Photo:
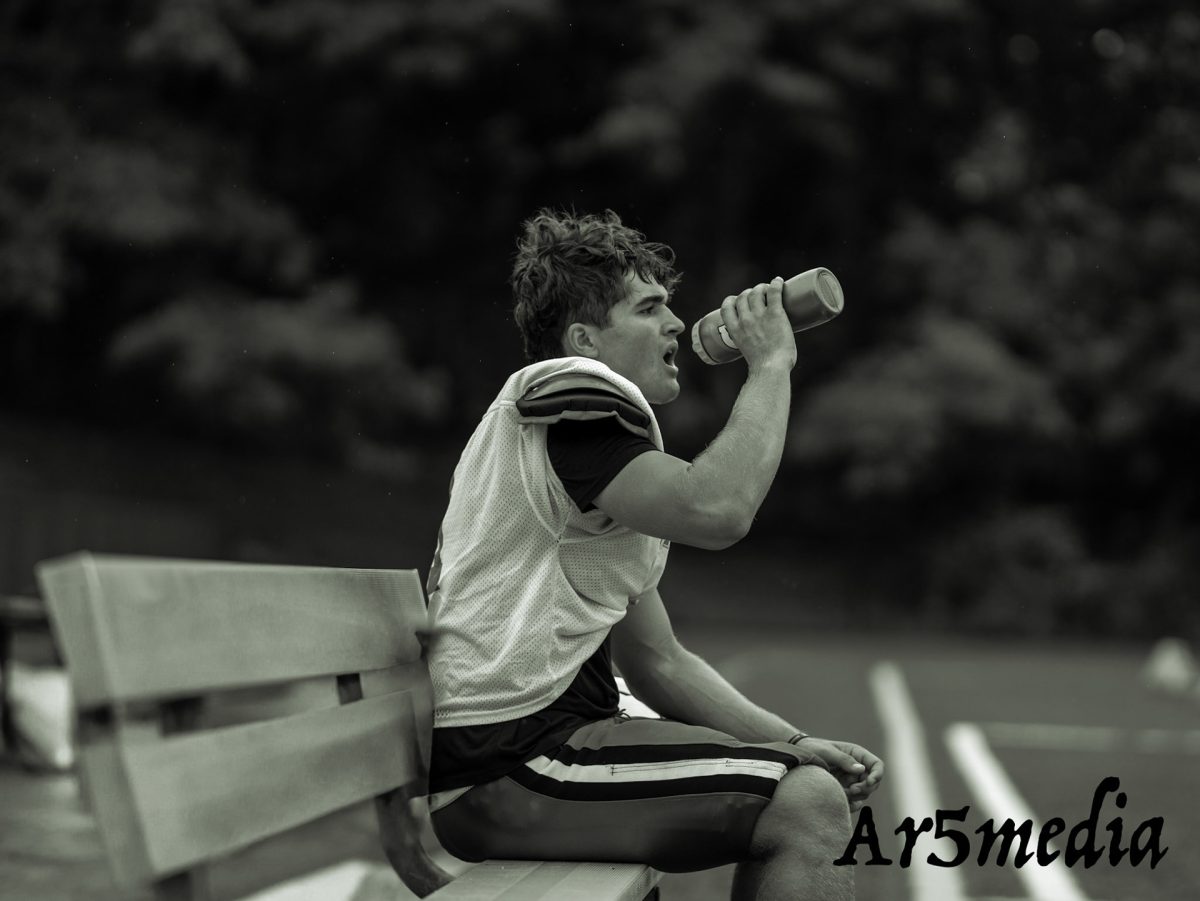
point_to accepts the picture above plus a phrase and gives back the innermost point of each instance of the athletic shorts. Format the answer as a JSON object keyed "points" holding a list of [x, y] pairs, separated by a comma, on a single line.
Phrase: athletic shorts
{"points": [[652, 791]]}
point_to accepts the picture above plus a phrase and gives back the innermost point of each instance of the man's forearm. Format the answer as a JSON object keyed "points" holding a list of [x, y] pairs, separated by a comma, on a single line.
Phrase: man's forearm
{"points": [[740, 464], [686, 688]]}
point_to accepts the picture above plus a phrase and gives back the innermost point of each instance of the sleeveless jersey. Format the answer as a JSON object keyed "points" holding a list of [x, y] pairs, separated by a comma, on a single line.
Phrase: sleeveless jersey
{"points": [[524, 586]]}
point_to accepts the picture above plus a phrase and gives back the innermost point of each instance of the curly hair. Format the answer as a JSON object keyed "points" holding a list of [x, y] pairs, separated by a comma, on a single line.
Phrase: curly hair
{"points": [[571, 268]]}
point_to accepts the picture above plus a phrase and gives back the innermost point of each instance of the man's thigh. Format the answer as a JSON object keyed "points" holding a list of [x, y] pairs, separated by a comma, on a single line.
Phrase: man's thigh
{"points": [[652, 791]]}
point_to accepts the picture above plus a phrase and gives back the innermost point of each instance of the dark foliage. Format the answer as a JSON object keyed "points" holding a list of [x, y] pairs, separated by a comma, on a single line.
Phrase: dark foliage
{"points": [[288, 226]]}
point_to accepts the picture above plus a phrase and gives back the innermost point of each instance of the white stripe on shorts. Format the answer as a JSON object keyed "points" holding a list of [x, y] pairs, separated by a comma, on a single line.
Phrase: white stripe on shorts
{"points": [[653, 772]]}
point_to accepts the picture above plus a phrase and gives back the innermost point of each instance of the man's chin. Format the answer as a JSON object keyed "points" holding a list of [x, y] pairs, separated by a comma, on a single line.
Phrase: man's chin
{"points": [[664, 394]]}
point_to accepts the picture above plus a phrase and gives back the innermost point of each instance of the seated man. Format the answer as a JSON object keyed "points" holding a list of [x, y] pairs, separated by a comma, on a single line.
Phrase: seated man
{"points": [[562, 510]]}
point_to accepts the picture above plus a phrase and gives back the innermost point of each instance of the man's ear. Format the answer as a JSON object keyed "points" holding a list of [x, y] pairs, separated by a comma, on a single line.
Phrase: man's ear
{"points": [[579, 340]]}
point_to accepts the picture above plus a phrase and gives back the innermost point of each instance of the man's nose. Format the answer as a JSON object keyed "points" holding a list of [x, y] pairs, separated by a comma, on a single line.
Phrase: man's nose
{"points": [[674, 324]]}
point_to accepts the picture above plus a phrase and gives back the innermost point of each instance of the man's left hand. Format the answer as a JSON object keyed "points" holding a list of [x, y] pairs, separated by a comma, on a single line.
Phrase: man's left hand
{"points": [[857, 769]]}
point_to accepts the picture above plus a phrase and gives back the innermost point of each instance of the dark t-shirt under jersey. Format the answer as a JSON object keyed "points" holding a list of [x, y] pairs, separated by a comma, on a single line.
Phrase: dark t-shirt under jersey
{"points": [[586, 455]]}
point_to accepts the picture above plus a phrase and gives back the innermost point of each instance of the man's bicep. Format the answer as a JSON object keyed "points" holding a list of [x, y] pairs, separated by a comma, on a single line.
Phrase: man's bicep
{"points": [[651, 494], [587, 454]]}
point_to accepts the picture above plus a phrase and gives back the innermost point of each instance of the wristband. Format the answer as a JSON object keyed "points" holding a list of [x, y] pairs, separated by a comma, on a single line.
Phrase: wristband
{"points": [[797, 738]]}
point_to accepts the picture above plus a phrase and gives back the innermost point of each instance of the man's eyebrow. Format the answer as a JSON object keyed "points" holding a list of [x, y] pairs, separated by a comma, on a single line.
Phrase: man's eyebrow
{"points": [[656, 297]]}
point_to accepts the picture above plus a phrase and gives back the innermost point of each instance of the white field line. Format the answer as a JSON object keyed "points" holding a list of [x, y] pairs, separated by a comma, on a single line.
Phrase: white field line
{"points": [[1000, 800], [911, 777], [1053, 737]]}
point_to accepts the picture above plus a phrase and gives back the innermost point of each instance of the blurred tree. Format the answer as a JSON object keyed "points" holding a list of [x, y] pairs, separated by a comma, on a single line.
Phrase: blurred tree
{"points": [[1023, 571], [314, 375], [290, 224], [140, 237], [940, 411], [1065, 274]]}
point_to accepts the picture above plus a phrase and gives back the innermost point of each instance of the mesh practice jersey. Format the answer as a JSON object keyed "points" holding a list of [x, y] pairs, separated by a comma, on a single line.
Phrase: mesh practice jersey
{"points": [[524, 587]]}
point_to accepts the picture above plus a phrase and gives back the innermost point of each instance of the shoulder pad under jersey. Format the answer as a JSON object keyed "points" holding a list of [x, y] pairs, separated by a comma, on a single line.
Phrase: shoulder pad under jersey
{"points": [[577, 396]]}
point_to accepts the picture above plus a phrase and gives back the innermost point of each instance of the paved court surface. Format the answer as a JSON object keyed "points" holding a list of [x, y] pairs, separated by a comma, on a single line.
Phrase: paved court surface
{"points": [[1008, 730], [1027, 731]]}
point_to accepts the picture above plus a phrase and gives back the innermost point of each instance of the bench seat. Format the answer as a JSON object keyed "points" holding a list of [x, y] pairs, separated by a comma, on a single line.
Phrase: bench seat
{"points": [[551, 881]]}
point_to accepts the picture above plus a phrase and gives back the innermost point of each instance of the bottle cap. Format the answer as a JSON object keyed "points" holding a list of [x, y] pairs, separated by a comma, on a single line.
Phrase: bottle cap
{"points": [[829, 290]]}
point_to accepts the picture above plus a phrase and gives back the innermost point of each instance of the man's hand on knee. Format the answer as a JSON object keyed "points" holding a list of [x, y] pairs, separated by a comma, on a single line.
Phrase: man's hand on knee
{"points": [[857, 769]]}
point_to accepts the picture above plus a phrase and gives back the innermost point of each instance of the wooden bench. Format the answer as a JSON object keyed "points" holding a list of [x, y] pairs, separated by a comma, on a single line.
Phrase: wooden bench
{"points": [[156, 648]]}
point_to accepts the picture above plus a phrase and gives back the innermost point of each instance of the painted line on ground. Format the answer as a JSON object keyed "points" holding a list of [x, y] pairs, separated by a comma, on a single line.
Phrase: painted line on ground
{"points": [[1000, 800], [1055, 737], [911, 777]]}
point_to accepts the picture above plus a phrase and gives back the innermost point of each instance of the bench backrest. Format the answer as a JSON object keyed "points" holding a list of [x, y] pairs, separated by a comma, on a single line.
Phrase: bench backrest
{"points": [[153, 645]]}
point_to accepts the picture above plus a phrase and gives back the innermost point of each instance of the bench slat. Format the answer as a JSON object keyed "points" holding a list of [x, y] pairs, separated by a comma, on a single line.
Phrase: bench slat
{"points": [[520, 880], [200, 795], [136, 628]]}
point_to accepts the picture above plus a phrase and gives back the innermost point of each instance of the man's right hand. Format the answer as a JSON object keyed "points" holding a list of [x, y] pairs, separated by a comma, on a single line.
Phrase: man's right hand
{"points": [[758, 324]]}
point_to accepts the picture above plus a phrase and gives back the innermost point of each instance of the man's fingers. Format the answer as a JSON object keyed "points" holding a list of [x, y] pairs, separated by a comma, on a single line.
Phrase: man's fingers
{"points": [[873, 765], [745, 301], [753, 298], [729, 311], [847, 763], [874, 768], [857, 769], [775, 292]]}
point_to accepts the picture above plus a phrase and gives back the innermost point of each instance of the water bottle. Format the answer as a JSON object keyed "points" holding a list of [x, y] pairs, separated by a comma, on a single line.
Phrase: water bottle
{"points": [[809, 299]]}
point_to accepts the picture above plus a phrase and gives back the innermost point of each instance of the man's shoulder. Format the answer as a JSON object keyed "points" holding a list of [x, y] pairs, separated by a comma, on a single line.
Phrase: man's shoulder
{"points": [[576, 388], [546, 376]]}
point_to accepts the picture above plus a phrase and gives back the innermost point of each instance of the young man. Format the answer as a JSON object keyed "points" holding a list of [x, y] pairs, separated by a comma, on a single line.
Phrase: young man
{"points": [[562, 510]]}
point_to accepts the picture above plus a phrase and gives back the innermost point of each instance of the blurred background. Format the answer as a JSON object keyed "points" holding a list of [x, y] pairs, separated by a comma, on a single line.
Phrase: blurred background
{"points": [[253, 263], [253, 299]]}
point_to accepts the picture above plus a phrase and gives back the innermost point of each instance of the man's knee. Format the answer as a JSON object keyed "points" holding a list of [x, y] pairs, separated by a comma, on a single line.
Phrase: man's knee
{"points": [[809, 810]]}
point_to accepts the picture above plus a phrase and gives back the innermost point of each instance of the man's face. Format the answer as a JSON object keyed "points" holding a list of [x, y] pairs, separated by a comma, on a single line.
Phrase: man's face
{"points": [[639, 341]]}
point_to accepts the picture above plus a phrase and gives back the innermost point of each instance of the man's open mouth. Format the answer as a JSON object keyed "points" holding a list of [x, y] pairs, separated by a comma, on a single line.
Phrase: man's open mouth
{"points": [[669, 356]]}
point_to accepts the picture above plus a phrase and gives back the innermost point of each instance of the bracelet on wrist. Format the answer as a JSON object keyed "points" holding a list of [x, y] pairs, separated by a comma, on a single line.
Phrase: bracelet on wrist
{"points": [[797, 738]]}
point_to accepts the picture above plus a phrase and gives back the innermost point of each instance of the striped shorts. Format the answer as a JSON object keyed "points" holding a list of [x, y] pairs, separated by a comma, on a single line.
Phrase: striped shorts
{"points": [[652, 791]]}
